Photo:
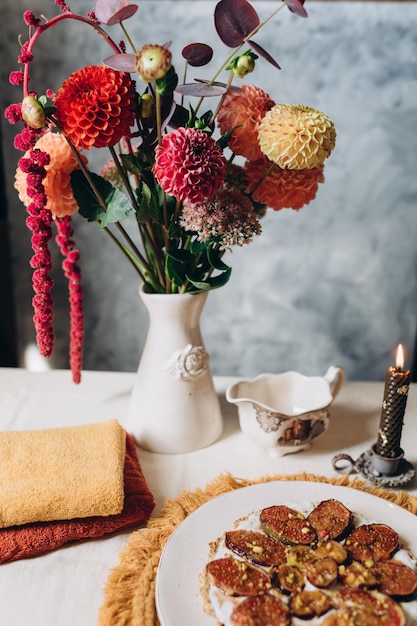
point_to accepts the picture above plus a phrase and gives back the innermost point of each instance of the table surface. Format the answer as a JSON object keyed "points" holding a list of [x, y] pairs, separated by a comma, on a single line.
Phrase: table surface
{"points": [[65, 587]]}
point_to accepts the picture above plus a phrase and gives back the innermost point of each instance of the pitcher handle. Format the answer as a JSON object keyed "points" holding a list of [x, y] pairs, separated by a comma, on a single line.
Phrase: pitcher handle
{"points": [[335, 376]]}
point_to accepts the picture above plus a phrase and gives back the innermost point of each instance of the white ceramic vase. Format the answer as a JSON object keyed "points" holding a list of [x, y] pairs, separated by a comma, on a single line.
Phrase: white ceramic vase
{"points": [[174, 407]]}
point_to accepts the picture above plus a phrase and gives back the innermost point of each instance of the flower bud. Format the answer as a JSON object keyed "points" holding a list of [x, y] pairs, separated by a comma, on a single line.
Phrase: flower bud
{"points": [[146, 106], [152, 62], [33, 113], [245, 65]]}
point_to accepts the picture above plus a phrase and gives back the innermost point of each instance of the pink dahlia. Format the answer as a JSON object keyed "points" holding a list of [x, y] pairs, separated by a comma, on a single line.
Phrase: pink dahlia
{"points": [[189, 165], [244, 111], [282, 189], [228, 217], [95, 107]]}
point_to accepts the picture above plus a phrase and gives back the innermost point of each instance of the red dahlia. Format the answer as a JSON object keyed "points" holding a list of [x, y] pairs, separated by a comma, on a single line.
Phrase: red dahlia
{"points": [[95, 107]]}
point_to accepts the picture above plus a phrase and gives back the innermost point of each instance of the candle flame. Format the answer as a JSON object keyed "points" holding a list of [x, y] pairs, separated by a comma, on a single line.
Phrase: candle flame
{"points": [[400, 357]]}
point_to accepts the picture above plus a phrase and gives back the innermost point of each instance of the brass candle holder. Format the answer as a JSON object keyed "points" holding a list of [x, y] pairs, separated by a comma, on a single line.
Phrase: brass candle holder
{"points": [[384, 463]]}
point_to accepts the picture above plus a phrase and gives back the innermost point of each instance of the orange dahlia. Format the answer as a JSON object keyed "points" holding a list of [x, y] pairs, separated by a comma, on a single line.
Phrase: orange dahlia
{"points": [[95, 107], [295, 136], [57, 182], [244, 109], [281, 188]]}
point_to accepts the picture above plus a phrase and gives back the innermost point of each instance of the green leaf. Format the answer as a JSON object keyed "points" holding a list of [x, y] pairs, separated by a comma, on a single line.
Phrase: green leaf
{"points": [[214, 258], [131, 163], [87, 201], [166, 85], [197, 246], [144, 203], [211, 283], [223, 142], [178, 264], [118, 206], [175, 231], [181, 256]]}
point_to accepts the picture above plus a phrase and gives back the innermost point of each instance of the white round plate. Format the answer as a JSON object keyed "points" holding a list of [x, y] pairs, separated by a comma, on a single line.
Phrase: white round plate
{"points": [[177, 596]]}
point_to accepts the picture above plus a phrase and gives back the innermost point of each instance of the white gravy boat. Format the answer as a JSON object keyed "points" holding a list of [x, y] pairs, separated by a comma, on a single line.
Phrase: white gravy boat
{"points": [[284, 412]]}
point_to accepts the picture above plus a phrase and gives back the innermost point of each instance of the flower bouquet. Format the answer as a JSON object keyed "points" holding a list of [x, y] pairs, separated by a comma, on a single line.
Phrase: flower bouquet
{"points": [[184, 183]]}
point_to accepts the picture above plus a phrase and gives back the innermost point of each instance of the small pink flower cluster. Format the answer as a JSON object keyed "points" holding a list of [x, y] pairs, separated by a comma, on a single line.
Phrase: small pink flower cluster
{"points": [[227, 217]]}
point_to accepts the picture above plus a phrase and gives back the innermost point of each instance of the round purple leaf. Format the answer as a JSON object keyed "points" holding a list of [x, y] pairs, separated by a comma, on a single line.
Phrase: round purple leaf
{"points": [[197, 54], [234, 20]]}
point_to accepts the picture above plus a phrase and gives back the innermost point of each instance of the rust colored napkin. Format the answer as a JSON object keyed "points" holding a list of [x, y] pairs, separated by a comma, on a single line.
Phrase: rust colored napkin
{"points": [[19, 542]]}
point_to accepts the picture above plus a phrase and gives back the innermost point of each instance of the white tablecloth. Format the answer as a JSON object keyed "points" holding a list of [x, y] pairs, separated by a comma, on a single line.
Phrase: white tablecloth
{"points": [[65, 587]]}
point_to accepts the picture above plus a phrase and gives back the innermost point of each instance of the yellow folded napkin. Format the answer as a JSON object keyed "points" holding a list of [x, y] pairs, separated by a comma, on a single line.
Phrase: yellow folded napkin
{"points": [[61, 473]]}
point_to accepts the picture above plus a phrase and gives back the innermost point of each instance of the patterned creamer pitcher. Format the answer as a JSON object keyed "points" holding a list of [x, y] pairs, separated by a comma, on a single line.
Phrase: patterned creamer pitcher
{"points": [[284, 412]]}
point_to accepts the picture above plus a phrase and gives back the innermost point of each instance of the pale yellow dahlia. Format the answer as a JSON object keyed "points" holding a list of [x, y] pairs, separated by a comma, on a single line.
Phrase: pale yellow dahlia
{"points": [[296, 137], [57, 182]]}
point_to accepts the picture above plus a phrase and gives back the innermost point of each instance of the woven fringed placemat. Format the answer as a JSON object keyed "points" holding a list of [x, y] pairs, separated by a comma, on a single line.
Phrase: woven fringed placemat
{"points": [[129, 595]]}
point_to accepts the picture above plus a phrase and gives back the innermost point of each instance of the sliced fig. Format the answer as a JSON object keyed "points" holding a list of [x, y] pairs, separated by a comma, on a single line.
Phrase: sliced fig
{"points": [[300, 556], [372, 542], [237, 578], [340, 618], [357, 575], [332, 549], [322, 572], [372, 608], [256, 547], [395, 578], [287, 525], [261, 611], [288, 578], [330, 519], [309, 604]]}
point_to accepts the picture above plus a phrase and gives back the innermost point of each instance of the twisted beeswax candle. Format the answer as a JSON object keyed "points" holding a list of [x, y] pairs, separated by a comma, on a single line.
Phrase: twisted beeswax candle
{"points": [[393, 408]]}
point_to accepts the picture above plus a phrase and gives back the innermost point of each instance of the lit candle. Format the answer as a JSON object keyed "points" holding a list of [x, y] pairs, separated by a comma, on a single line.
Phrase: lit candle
{"points": [[393, 408]]}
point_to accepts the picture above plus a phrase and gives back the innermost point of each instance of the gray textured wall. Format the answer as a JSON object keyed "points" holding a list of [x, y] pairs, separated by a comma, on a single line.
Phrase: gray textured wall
{"points": [[334, 283]]}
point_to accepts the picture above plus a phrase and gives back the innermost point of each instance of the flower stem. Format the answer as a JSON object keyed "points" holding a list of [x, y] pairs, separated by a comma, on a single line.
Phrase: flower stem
{"points": [[50, 24]]}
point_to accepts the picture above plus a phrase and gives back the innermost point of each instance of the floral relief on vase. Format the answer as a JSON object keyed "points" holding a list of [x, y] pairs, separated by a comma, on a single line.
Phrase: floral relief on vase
{"points": [[188, 364]]}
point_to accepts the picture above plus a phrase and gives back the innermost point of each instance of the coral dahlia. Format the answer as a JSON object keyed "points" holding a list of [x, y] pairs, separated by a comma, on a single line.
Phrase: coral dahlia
{"points": [[295, 136], [281, 188], [95, 107], [244, 110], [57, 182], [189, 165]]}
